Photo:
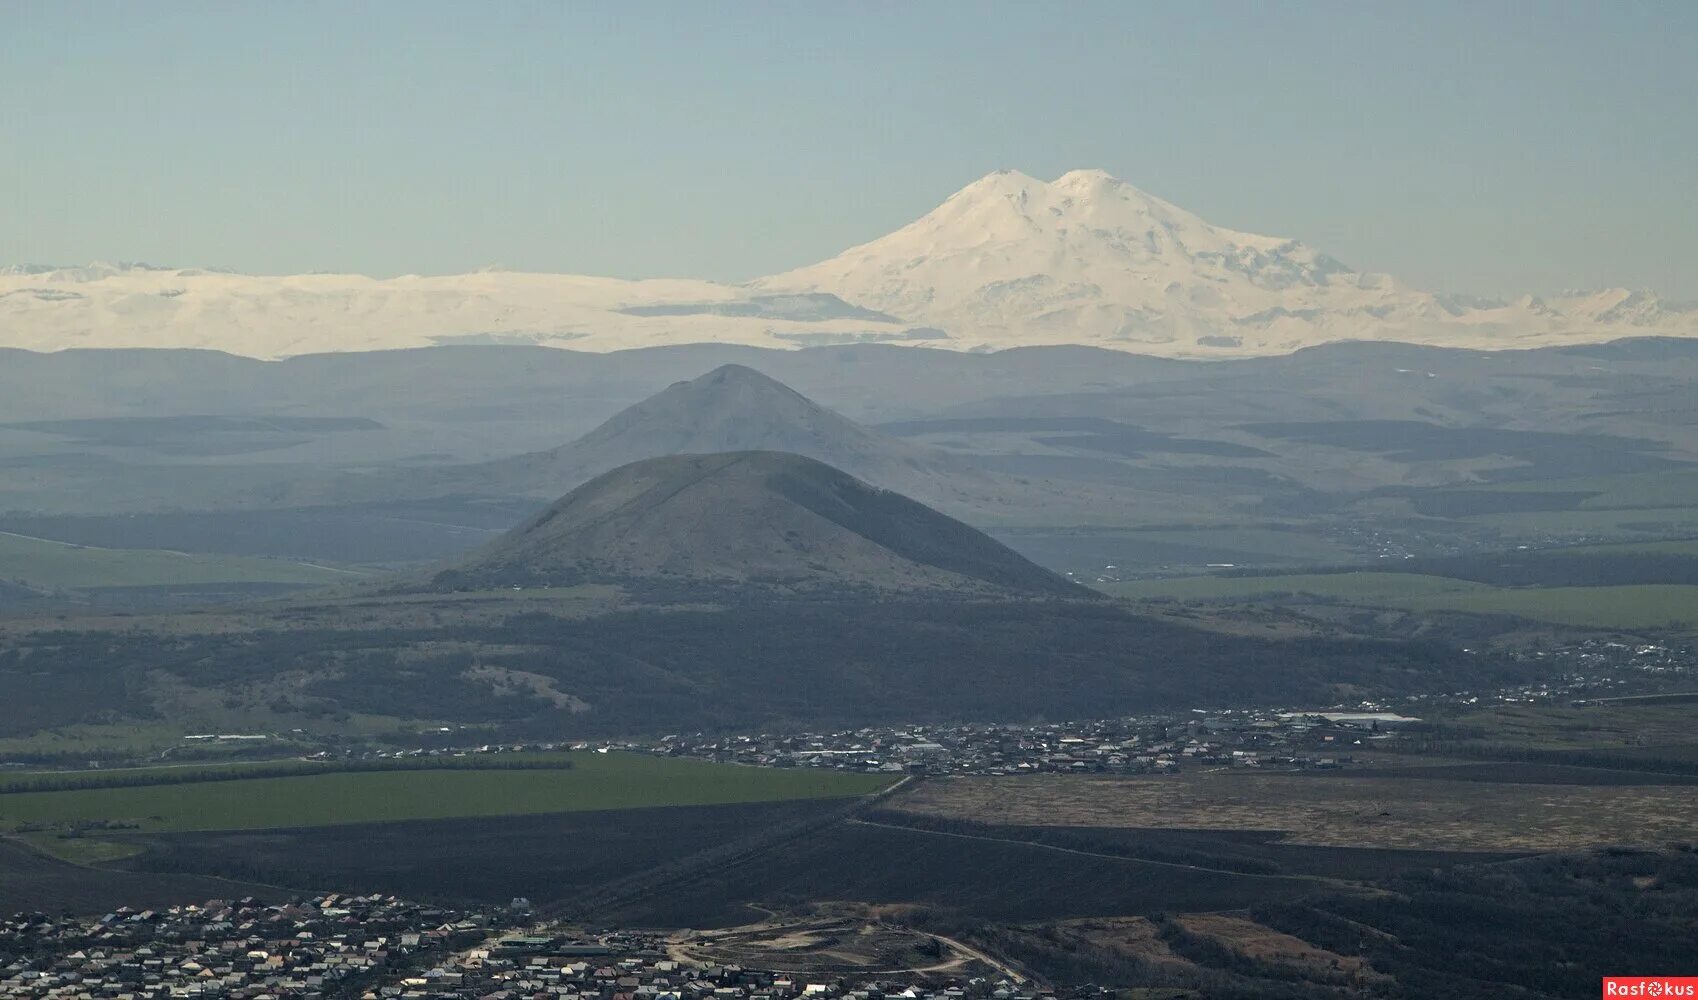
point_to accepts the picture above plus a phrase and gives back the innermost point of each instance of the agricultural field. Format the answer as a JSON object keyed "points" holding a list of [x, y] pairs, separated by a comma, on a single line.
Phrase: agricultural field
{"points": [[988, 879], [1634, 606], [17, 781], [470, 860], [1333, 810], [1665, 489], [1681, 547], [1085, 551], [1628, 606], [1626, 507], [44, 564], [32, 881], [593, 782], [1360, 588], [881, 859], [1653, 725], [1588, 523]]}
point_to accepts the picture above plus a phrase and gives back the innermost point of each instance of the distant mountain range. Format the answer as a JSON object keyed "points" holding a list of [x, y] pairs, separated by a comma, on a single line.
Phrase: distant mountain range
{"points": [[1008, 261]]}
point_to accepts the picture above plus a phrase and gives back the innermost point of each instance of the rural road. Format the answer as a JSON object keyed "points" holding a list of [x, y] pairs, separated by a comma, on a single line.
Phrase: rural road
{"points": [[968, 951]]}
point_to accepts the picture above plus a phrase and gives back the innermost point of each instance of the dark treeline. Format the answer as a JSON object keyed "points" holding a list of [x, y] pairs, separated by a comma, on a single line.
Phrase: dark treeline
{"points": [[85, 780]]}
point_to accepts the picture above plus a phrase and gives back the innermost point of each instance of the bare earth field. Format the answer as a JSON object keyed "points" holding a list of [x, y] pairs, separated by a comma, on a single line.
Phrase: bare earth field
{"points": [[1330, 810], [1257, 943], [33, 881]]}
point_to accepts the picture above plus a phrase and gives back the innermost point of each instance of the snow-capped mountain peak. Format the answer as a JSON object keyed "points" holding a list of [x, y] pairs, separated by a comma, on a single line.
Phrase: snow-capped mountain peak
{"points": [[1007, 261], [1086, 258]]}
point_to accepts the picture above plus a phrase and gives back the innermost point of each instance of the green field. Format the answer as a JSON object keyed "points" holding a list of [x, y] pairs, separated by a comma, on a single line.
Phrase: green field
{"points": [[1637, 489], [1630, 506], [287, 767], [105, 740], [1362, 588], [1636, 606], [38, 562], [1625, 522], [1248, 544], [595, 781], [1675, 547]]}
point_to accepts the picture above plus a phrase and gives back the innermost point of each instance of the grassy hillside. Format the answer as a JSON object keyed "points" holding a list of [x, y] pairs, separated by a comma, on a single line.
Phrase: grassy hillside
{"points": [[58, 565]]}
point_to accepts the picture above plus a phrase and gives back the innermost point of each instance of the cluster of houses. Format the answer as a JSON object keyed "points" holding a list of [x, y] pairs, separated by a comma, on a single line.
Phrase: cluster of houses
{"points": [[1579, 672], [1597, 668], [1146, 745], [1162, 744], [383, 948], [240, 949]]}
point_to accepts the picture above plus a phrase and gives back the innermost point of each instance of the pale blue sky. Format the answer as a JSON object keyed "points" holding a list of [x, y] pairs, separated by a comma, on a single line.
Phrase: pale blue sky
{"points": [[1485, 147]]}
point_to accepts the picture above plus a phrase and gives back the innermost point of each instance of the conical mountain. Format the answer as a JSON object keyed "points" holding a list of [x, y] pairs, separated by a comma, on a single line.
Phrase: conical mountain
{"points": [[732, 408], [761, 519]]}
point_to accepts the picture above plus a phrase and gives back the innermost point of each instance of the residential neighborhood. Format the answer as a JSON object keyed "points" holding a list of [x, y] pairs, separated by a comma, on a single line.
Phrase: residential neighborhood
{"points": [[383, 948]]}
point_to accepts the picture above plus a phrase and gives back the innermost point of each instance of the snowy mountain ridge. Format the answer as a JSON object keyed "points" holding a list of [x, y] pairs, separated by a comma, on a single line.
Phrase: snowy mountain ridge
{"points": [[1008, 261]]}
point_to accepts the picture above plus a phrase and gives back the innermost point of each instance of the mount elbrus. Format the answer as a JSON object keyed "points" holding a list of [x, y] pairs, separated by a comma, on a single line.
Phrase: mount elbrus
{"points": [[1008, 261]]}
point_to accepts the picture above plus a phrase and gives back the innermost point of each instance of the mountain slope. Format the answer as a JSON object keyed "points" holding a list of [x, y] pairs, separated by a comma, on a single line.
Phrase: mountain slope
{"points": [[749, 518]]}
